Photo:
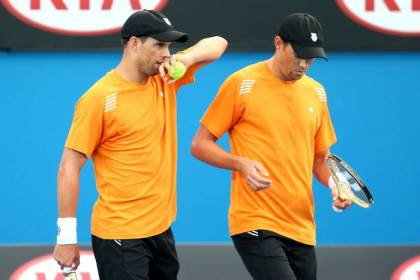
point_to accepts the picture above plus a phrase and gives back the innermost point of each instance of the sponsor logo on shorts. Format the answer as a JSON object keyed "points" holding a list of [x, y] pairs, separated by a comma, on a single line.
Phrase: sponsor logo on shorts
{"points": [[253, 233]]}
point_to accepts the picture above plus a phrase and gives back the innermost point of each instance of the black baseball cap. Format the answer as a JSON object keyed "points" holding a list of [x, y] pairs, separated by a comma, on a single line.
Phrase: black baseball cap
{"points": [[153, 24], [304, 33]]}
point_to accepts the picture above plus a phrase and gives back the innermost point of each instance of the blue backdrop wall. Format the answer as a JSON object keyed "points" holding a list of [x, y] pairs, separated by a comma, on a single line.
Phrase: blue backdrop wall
{"points": [[374, 102]]}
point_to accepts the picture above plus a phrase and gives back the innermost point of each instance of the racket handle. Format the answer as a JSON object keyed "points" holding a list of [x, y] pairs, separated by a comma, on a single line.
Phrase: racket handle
{"points": [[71, 276], [336, 209]]}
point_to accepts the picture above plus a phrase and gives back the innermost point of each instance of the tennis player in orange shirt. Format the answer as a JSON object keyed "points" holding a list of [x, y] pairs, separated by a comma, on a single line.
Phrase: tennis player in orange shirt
{"points": [[126, 122], [280, 134]]}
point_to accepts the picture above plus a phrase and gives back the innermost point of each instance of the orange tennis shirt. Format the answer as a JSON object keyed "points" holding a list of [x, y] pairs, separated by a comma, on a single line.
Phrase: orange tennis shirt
{"points": [[129, 129], [281, 125]]}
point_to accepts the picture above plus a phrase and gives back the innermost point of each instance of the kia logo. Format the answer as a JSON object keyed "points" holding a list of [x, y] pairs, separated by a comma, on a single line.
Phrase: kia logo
{"points": [[393, 17], [408, 270], [46, 268], [78, 17]]}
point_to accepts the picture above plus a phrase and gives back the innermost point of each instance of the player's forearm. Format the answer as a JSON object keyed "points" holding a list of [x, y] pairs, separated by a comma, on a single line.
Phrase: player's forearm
{"points": [[320, 168], [210, 152], [206, 50], [67, 192], [71, 165]]}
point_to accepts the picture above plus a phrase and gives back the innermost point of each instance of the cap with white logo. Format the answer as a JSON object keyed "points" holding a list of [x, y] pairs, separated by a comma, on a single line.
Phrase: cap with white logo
{"points": [[153, 24], [304, 33]]}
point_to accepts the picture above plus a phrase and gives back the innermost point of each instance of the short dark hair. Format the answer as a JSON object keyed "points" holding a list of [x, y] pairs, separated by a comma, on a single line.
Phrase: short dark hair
{"points": [[285, 42], [124, 41]]}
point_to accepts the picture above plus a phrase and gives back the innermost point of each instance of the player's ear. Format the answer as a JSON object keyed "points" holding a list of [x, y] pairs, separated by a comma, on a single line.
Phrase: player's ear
{"points": [[278, 42], [135, 42]]}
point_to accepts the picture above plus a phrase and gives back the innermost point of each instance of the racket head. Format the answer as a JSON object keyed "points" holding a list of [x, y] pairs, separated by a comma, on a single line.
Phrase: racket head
{"points": [[349, 185]]}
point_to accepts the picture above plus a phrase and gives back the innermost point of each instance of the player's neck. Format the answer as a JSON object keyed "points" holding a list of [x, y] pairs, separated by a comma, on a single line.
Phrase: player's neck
{"points": [[129, 72], [275, 68]]}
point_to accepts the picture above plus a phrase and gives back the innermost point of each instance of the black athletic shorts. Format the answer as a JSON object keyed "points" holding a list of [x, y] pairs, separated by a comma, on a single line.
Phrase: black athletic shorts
{"points": [[152, 258], [270, 256]]}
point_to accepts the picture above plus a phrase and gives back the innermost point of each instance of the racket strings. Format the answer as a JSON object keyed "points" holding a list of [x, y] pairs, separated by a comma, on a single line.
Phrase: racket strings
{"points": [[348, 187], [349, 184]]}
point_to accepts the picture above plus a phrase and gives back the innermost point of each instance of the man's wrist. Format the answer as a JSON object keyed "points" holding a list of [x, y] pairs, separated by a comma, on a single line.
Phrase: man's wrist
{"points": [[185, 59], [236, 163], [67, 231], [331, 183]]}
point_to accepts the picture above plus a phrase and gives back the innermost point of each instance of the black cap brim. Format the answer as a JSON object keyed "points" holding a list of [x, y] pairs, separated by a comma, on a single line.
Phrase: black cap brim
{"points": [[309, 52], [171, 36]]}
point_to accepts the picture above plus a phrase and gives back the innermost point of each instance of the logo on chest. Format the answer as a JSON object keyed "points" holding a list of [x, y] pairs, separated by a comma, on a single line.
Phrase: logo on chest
{"points": [[321, 94], [110, 102], [246, 86]]}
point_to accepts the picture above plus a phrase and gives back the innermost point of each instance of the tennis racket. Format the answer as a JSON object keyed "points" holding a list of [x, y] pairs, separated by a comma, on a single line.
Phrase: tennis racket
{"points": [[71, 276], [349, 185]]}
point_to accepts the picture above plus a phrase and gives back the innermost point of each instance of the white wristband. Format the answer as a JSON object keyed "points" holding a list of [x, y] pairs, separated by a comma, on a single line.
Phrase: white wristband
{"points": [[331, 186], [331, 183], [67, 231]]}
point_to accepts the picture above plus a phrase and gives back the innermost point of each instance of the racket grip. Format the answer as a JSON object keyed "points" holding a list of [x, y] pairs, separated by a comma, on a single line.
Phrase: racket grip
{"points": [[336, 209], [71, 276], [331, 183]]}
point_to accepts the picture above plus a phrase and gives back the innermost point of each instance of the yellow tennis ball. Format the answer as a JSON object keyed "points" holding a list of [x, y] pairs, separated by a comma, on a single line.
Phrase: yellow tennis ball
{"points": [[177, 70]]}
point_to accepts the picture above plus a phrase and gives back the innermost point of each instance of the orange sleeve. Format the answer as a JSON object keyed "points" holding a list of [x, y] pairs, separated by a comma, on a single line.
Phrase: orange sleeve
{"points": [[325, 136], [86, 129], [226, 109], [188, 77]]}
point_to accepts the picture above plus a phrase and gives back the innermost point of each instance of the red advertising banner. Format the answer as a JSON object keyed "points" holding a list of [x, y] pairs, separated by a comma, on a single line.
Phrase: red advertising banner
{"points": [[221, 262], [84, 17], [387, 16], [350, 25]]}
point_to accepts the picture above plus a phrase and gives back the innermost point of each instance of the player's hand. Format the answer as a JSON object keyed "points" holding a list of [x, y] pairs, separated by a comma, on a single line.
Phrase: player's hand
{"points": [[165, 66], [339, 204], [253, 172], [164, 69], [67, 256]]}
